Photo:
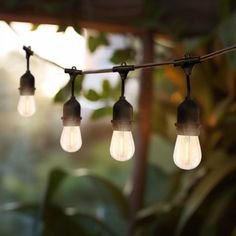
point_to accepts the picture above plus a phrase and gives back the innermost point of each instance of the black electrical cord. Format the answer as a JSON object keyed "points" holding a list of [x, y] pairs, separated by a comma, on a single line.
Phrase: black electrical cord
{"points": [[217, 53], [179, 62], [188, 87], [28, 53]]}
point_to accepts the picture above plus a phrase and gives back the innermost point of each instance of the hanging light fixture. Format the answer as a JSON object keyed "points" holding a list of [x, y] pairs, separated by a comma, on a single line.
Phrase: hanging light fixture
{"points": [[26, 105], [187, 151], [71, 140], [122, 144]]}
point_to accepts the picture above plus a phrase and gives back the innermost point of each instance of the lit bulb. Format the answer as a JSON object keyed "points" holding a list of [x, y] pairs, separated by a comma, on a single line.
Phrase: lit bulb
{"points": [[26, 105], [122, 145], [187, 152], [71, 138]]}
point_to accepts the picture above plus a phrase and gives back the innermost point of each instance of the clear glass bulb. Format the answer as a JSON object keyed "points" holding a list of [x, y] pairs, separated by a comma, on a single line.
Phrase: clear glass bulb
{"points": [[122, 145], [187, 152], [71, 140], [26, 105]]}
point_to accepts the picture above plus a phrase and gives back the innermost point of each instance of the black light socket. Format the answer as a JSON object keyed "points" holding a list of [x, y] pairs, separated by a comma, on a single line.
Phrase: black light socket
{"points": [[188, 121], [71, 113], [122, 115], [27, 84]]}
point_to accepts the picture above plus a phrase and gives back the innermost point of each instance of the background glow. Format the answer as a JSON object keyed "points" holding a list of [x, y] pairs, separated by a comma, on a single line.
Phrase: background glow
{"points": [[65, 48]]}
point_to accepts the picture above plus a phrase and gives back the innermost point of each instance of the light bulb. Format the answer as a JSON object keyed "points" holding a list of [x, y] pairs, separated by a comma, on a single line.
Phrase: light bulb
{"points": [[187, 152], [71, 138], [26, 105], [122, 145]]}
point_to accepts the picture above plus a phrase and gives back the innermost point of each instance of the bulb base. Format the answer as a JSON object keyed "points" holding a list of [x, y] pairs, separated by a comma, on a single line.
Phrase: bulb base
{"points": [[188, 121], [122, 115], [71, 113], [188, 129], [27, 84]]}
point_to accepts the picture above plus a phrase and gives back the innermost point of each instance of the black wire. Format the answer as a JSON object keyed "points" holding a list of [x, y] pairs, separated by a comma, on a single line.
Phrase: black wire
{"points": [[86, 72], [166, 63], [188, 86], [123, 76], [73, 85], [153, 64], [27, 62], [28, 53], [217, 53], [122, 87]]}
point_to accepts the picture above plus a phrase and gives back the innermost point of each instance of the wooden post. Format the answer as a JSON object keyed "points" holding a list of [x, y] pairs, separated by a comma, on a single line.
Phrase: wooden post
{"points": [[144, 130]]}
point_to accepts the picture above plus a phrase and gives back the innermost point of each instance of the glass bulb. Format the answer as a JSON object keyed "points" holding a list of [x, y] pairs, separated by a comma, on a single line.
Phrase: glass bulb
{"points": [[122, 145], [26, 105], [187, 152], [71, 138]]}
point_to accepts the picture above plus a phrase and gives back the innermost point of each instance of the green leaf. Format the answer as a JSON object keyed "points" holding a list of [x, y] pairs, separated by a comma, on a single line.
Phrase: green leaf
{"points": [[57, 223], [115, 92], [106, 86], [92, 95], [63, 94], [92, 43], [165, 146], [95, 42], [156, 177], [122, 55], [103, 38], [85, 217], [56, 177], [202, 190], [107, 190], [106, 89], [60, 223], [101, 112], [34, 27], [78, 29], [109, 198], [79, 84], [61, 28]]}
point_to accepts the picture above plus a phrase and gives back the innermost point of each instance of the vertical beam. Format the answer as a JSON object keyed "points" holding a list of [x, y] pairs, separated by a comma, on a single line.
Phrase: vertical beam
{"points": [[144, 130]]}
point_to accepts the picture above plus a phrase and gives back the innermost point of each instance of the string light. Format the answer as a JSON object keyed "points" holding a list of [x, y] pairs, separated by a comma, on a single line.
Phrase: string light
{"points": [[187, 151], [26, 105], [122, 143], [71, 140]]}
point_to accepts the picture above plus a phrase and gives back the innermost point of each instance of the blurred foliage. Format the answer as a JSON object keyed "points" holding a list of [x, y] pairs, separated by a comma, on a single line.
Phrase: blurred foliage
{"points": [[105, 210], [95, 41], [108, 95], [122, 55], [203, 197], [152, 11], [64, 93], [197, 203]]}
